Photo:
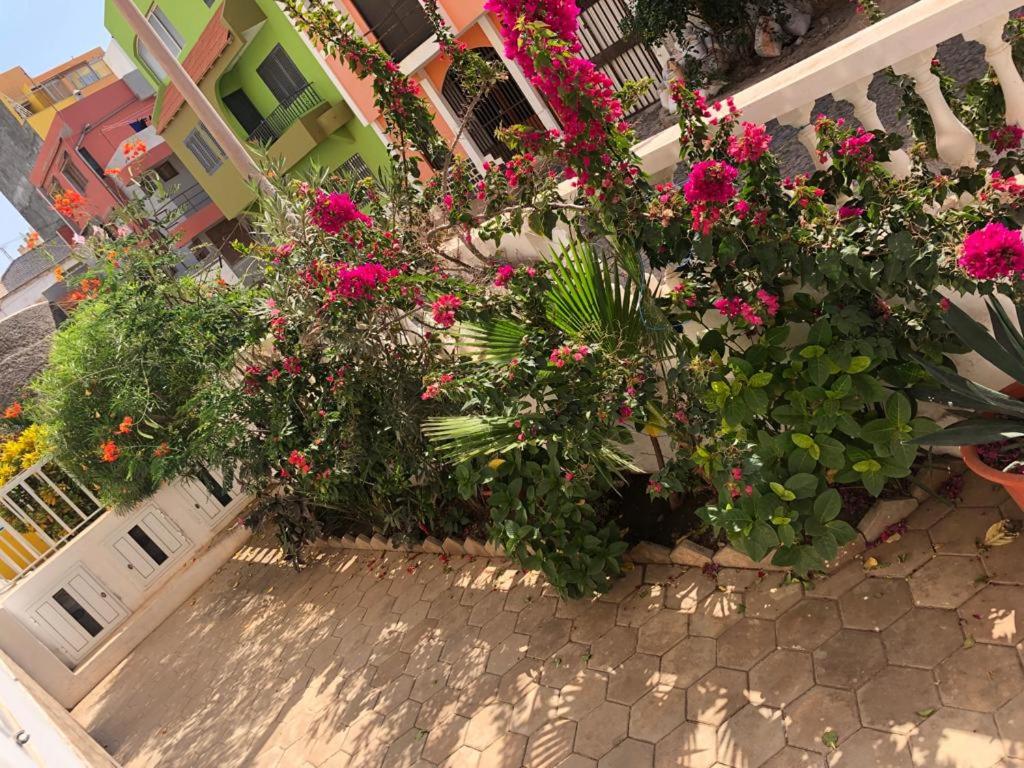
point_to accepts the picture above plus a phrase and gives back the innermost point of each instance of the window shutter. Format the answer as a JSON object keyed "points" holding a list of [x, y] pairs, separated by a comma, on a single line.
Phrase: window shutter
{"points": [[281, 75]]}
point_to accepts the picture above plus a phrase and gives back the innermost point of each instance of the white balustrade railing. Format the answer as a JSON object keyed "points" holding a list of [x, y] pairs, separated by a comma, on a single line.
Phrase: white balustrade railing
{"points": [[41, 508], [906, 42]]}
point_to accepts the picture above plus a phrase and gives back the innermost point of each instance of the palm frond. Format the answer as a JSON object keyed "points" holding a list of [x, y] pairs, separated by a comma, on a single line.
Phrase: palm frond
{"points": [[494, 341], [463, 438], [590, 296]]}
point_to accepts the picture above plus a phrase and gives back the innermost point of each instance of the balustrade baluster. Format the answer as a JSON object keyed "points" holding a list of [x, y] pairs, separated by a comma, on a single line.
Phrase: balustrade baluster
{"points": [[800, 118], [864, 108], [999, 55], [953, 141]]}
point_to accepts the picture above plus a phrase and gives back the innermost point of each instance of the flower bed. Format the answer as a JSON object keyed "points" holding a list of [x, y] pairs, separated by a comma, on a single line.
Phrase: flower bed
{"points": [[764, 335]]}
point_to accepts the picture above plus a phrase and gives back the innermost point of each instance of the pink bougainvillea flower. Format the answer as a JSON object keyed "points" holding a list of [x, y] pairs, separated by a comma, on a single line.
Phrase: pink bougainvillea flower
{"points": [[331, 212], [444, 309], [503, 275], [751, 145], [710, 181], [1006, 138], [849, 212], [993, 252]]}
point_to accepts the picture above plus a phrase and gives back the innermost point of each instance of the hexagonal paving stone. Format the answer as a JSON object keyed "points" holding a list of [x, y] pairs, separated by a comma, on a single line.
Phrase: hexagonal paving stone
{"points": [[791, 757], [633, 678], [716, 613], [602, 729], [506, 654], [875, 604], [567, 662], [536, 707], [750, 737], [518, 680], [923, 637], [717, 696], [900, 558], [662, 632], [837, 584], [506, 752], [488, 724], [691, 745], [817, 711], [1010, 721], [848, 659], [688, 661], [641, 606], [956, 738], [629, 754], [947, 581], [995, 615], [550, 745], [686, 591], [780, 678], [657, 713], [592, 623], [1006, 564], [872, 749], [808, 624], [892, 699], [981, 677], [612, 648], [443, 738], [772, 596], [583, 694], [928, 514], [463, 757], [961, 532], [746, 643], [551, 635]]}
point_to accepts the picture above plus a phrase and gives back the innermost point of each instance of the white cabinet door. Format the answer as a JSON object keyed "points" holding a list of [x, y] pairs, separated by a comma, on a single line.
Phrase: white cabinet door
{"points": [[77, 613], [148, 546], [212, 502]]}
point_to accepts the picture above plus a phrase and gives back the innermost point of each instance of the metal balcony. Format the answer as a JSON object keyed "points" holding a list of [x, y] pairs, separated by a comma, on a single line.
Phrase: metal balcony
{"points": [[287, 112]]}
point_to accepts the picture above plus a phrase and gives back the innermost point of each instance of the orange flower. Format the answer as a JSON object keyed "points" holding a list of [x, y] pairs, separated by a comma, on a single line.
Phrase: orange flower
{"points": [[134, 148], [161, 450], [110, 451], [126, 425], [12, 411], [32, 240], [69, 204], [58, 274]]}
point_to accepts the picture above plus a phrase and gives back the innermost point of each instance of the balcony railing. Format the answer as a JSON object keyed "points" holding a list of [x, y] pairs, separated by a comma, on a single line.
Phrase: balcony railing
{"points": [[41, 508], [288, 111], [182, 204]]}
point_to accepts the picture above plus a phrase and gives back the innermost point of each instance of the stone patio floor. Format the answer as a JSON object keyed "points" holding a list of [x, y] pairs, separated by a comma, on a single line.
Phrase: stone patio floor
{"points": [[402, 660]]}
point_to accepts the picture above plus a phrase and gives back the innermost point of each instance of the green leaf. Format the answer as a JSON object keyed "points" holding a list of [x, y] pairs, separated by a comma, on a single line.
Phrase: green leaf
{"points": [[782, 492], [858, 364], [977, 337], [802, 441], [898, 409], [973, 432], [868, 465], [761, 379], [803, 485], [812, 351], [828, 505]]}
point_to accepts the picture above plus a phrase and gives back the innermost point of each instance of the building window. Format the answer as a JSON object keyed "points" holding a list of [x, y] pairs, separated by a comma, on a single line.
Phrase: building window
{"points": [[83, 77], [165, 31], [205, 149], [166, 171], [281, 75], [151, 64], [209, 3], [91, 161], [400, 26], [73, 175]]}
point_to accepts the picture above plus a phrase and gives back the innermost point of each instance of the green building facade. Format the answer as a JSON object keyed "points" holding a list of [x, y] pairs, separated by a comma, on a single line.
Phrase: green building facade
{"points": [[265, 79]]}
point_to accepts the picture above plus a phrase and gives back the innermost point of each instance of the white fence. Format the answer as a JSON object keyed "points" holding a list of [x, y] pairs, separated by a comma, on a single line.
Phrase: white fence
{"points": [[907, 42], [41, 508]]}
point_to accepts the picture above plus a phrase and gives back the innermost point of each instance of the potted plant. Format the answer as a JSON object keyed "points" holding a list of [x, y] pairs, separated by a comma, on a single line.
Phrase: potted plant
{"points": [[991, 434]]}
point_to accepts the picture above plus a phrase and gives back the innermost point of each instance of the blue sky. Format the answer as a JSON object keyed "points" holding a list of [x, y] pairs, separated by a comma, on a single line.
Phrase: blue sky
{"points": [[72, 27]]}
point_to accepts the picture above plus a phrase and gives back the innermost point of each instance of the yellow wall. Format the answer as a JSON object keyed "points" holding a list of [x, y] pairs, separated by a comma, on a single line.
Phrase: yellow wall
{"points": [[16, 551]]}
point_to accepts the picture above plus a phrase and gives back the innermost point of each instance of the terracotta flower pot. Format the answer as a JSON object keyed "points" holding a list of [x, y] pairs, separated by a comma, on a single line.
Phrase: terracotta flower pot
{"points": [[1012, 482]]}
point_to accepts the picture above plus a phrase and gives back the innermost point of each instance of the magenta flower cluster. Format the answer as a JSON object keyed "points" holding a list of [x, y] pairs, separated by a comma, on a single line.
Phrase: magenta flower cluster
{"points": [[711, 181], [993, 252], [752, 145], [331, 212], [444, 309], [736, 307], [359, 282]]}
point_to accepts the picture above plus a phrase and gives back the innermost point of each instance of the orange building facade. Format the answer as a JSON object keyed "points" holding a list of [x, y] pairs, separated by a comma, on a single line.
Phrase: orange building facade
{"points": [[403, 30]]}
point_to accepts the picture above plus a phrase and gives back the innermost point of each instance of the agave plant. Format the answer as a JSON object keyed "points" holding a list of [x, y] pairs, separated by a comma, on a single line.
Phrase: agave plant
{"points": [[990, 416]]}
